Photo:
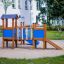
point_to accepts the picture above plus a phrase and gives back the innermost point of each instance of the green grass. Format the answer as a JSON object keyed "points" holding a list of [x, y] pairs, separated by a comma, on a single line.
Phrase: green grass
{"points": [[52, 60], [55, 35]]}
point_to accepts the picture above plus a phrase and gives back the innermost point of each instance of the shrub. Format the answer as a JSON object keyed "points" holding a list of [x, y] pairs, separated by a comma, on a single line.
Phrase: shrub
{"points": [[55, 28], [51, 28]]}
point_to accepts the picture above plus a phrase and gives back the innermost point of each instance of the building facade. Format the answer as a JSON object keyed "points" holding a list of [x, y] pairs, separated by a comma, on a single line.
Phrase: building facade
{"points": [[27, 9]]}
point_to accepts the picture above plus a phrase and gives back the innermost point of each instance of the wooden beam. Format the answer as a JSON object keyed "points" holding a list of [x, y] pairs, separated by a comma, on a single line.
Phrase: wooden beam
{"points": [[13, 33], [44, 40], [3, 35]]}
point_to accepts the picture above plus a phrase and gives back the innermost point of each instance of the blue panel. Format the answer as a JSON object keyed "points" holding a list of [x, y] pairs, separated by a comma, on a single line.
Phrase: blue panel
{"points": [[38, 34], [7, 33], [9, 16]]}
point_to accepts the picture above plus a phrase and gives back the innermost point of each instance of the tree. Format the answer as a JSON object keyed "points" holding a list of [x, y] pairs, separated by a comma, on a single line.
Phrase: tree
{"points": [[6, 4], [42, 13], [55, 8]]}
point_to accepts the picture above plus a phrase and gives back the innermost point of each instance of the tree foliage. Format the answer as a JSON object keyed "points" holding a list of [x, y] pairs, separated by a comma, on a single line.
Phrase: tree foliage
{"points": [[55, 8], [6, 4]]}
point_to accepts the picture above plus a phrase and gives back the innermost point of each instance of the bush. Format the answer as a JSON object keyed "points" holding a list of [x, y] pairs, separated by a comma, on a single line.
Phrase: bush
{"points": [[55, 28], [51, 28], [62, 28]]}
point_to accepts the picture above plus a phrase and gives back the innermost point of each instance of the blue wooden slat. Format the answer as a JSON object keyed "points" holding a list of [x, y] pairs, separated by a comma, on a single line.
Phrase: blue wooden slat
{"points": [[29, 33], [36, 34], [24, 34]]}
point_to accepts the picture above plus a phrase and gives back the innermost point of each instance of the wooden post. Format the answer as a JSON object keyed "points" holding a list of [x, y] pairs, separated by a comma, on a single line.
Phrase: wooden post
{"points": [[33, 46], [13, 32], [21, 33], [44, 42], [15, 38], [6, 23], [3, 35], [6, 27]]}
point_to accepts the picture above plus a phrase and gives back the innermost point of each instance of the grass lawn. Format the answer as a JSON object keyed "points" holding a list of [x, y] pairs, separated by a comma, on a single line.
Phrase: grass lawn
{"points": [[52, 60], [55, 35]]}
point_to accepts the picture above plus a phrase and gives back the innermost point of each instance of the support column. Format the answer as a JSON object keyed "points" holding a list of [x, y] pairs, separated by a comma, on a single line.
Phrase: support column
{"points": [[44, 41], [3, 35]]}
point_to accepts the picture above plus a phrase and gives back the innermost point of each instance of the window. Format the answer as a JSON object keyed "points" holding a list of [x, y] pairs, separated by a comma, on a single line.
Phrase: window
{"points": [[13, 5], [38, 5], [19, 4], [26, 5]]}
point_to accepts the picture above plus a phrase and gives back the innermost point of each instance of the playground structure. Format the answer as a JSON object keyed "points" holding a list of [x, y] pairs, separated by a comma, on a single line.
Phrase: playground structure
{"points": [[32, 34]]}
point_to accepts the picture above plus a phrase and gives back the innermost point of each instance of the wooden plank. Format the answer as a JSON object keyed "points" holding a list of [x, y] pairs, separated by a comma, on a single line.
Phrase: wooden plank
{"points": [[13, 43], [38, 28], [41, 39], [3, 36], [3, 22], [3, 43], [33, 46], [7, 43], [23, 42], [27, 39], [44, 44], [13, 33], [15, 38], [44, 40], [6, 23], [21, 32], [9, 28]]}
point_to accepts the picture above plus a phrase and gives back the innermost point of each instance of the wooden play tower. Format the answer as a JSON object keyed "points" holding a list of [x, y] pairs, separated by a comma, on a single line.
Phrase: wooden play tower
{"points": [[9, 33], [32, 33]]}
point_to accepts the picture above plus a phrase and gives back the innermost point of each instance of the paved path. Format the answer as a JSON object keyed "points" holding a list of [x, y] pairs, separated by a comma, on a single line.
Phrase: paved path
{"points": [[29, 53], [21, 53]]}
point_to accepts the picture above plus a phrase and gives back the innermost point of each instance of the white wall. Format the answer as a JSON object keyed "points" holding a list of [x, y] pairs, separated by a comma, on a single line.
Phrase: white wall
{"points": [[24, 13], [29, 15], [10, 10]]}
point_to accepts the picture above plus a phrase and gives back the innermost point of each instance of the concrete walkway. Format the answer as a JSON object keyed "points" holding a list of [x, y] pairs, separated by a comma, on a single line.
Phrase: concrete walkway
{"points": [[28, 53]]}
